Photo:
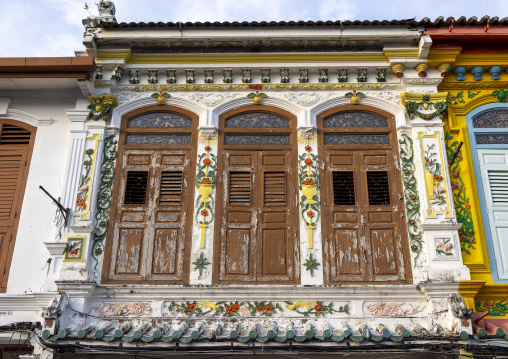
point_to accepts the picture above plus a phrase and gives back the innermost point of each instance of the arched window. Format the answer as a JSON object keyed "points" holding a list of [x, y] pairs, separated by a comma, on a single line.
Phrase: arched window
{"points": [[364, 236], [16, 145], [488, 136], [151, 212], [256, 239]]}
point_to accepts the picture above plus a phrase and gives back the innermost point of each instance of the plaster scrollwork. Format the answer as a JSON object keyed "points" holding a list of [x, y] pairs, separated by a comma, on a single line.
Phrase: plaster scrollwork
{"points": [[211, 99], [389, 96], [383, 309], [124, 97], [306, 98], [423, 81], [131, 309]]}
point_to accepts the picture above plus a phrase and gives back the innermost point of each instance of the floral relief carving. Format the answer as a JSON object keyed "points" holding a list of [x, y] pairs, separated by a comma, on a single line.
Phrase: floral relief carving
{"points": [[306, 98], [126, 309], [211, 99], [384, 309], [444, 247]]}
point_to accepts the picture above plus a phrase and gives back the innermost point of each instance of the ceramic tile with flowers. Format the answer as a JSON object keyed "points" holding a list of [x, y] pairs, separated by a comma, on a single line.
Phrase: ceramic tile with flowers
{"points": [[316, 308]]}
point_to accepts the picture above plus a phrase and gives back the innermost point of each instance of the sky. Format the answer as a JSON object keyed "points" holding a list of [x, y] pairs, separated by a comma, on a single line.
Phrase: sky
{"points": [[43, 28]]}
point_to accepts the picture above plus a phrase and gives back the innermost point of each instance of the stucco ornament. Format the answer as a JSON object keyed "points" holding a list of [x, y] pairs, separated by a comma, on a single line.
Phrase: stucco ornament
{"points": [[306, 98], [211, 99], [390, 96], [127, 309], [458, 307], [383, 309], [124, 97]]}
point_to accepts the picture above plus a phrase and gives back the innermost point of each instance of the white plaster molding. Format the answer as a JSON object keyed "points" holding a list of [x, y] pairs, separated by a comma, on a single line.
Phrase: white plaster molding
{"points": [[4, 106], [271, 292], [55, 248], [125, 108], [441, 226], [27, 118], [306, 98], [211, 99], [374, 101], [45, 298], [25, 302], [438, 289], [77, 115], [245, 101]]}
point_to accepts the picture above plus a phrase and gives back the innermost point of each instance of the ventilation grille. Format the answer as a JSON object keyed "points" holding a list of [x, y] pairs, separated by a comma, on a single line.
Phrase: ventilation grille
{"points": [[275, 188], [135, 189], [379, 188], [12, 135], [9, 173], [171, 188], [343, 188], [240, 188], [498, 181]]}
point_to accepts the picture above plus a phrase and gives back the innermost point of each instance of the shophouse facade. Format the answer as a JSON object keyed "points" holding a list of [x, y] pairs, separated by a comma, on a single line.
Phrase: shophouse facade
{"points": [[244, 186]]}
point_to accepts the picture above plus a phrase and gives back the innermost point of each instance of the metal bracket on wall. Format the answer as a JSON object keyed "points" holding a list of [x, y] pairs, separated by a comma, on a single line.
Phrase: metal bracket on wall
{"points": [[64, 210]]}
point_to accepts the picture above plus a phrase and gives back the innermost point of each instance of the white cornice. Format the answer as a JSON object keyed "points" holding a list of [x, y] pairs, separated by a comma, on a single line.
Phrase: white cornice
{"points": [[27, 118]]}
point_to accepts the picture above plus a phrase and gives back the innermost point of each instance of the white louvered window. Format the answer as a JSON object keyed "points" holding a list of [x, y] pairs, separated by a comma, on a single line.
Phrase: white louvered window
{"points": [[498, 183]]}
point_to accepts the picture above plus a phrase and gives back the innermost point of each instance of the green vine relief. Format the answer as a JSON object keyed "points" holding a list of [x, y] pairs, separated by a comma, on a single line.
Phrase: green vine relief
{"points": [[104, 197], [461, 202], [412, 108], [498, 308], [411, 194]]}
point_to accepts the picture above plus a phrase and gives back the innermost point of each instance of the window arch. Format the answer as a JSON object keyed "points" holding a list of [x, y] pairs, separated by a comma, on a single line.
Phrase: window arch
{"points": [[153, 195], [488, 137], [256, 228], [16, 146], [364, 236]]}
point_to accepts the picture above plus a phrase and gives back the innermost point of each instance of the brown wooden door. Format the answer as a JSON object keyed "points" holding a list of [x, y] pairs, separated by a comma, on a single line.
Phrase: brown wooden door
{"points": [[152, 216], [257, 233], [364, 235], [16, 145], [363, 217]]}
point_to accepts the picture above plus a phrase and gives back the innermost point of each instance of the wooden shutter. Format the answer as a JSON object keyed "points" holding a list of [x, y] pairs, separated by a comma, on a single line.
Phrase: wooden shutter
{"points": [[151, 218], [494, 175], [15, 150], [362, 224], [258, 225]]}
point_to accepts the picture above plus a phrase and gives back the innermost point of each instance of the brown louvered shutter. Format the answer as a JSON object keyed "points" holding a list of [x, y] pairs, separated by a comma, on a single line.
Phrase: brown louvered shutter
{"points": [[240, 188], [16, 144]]}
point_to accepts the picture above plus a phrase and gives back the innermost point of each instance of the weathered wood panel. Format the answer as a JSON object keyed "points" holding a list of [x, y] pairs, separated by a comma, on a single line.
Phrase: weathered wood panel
{"points": [[130, 243], [363, 230]]}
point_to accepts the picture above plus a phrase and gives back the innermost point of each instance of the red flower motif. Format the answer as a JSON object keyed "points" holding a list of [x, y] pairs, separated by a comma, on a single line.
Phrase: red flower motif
{"points": [[467, 205], [233, 308], [319, 308], [399, 74], [204, 212], [310, 214], [207, 148], [207, 161], [261, 308], [308, 148], [308, 161], [268, 308]]}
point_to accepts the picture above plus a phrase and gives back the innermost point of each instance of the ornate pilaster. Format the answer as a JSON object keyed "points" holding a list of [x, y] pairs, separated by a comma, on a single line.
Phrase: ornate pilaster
{"points": [[311, 248], [439, 229], [204, 209]]}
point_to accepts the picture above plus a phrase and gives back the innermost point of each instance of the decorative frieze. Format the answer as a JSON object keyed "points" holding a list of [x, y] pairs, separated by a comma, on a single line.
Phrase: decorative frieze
{"points": [[190, 77], [361, 74], [342, 75], [265, 76], [171, 76], [421, 105], [134, 76], [247, 76], [209, 73], [304, 75], [381, 74], [117, 73], [227, 76], [152, 76], [267, 86], [284, 76], [390, 309], [323, 75]]}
